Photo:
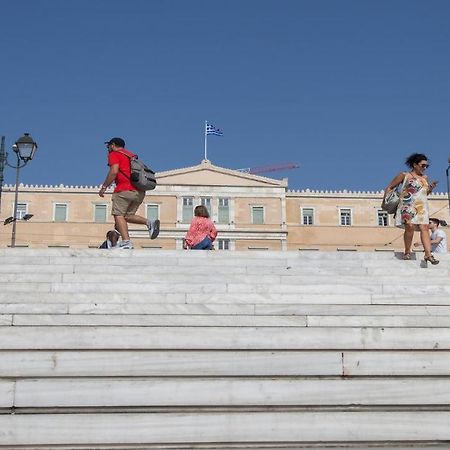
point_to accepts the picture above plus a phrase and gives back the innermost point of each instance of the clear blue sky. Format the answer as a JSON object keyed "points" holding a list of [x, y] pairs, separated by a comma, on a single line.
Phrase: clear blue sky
{"points": [[345, 88]]}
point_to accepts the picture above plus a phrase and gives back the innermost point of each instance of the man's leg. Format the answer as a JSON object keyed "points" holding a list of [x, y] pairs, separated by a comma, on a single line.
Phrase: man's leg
{"points": [[120, 204], [122, 227], [153, 226], [134, 218], [137, 198]]}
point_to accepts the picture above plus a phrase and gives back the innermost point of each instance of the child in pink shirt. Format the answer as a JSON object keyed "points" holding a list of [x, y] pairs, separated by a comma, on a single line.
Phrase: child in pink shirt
{"points": [[202, 232]]}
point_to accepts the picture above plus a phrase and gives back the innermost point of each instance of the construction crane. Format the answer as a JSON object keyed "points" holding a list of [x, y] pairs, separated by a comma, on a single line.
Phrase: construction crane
{"points": [[270, 168]]}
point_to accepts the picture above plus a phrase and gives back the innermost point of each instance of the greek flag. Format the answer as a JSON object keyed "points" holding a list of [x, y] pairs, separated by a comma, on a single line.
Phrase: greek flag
{"points": [[211, 129]]}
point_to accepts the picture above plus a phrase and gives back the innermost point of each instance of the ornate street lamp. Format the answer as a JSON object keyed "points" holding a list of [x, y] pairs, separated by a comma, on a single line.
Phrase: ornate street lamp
{"points": [[24, 149]]}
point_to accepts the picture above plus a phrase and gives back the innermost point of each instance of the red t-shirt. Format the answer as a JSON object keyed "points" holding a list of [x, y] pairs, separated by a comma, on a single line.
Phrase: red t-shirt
{"points": [[122, 180]]}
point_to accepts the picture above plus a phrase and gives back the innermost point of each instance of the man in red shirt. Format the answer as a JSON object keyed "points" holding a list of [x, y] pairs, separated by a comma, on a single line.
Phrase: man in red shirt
{"points": [[126, 199]]}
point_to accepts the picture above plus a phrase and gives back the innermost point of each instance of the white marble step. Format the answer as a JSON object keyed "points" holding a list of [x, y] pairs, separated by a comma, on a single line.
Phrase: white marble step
{"points": [[228, 265], [374, 321], [198, 278], [262, 303], [203, 320], [226, 338], [318, 309], [310, 269], [226, 392], [211, 286], [138, 363], [222, 427], [162, 320], [250, 254], [188, 363], [171, 256], [389, 364], [5, 319]]}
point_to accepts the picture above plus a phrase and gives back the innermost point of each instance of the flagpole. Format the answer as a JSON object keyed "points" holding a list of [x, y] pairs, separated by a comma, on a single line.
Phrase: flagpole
{"points": [[206, 140]]}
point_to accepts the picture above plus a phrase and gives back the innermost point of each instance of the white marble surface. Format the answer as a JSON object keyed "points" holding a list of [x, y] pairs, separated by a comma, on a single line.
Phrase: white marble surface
{"points": [[33, 308], [96, 363], [163, 308], [6, 319], [376, 321], [157, 320], [270, 330], [226, 338], [394, 363], [220, 427], [227, 392], [6, 393]]}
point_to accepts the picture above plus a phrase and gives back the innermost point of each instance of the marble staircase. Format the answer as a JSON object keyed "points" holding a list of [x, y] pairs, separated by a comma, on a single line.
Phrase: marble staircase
{"points": [[149, 349]]}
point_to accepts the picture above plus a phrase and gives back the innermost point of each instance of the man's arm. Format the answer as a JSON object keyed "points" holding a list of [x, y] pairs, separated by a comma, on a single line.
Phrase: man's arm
{"points": [[437, 239], [112, 173]]}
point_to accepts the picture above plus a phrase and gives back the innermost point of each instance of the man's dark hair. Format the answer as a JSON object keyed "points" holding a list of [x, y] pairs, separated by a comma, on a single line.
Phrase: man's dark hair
{"points": [[116, 141], [436, 221], [415, 158]]}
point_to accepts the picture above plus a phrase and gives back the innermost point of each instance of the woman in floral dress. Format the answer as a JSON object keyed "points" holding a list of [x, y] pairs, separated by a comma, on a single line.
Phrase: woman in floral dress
{"points": [[412, 212]]}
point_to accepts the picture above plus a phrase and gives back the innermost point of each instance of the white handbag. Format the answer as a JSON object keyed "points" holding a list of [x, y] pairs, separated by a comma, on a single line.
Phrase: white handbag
{"points": [[392, 198], [390, 202]]}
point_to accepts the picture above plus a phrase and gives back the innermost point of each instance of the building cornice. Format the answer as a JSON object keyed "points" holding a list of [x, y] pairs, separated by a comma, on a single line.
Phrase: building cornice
{"points": [[344, 193]]}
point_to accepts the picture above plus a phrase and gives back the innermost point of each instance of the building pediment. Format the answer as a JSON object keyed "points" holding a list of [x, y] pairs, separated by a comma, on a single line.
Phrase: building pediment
{"points": [[207, 174]]}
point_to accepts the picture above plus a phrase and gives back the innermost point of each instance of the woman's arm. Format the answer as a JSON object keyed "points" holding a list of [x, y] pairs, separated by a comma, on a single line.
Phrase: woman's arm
{"points": [[190, 233], [395, 182], [212, 232], [431, 186]]}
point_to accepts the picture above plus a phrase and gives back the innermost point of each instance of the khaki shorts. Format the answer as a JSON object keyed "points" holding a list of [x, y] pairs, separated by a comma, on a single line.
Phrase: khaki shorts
{"points": [[126, 203]]}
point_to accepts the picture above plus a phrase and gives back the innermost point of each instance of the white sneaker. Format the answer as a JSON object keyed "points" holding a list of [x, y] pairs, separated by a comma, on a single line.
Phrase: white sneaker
{"points": [[125, 245]]}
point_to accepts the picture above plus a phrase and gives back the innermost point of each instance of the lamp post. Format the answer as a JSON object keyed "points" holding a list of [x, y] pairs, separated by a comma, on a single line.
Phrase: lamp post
{"points": [[448, 184], [24, 149]]}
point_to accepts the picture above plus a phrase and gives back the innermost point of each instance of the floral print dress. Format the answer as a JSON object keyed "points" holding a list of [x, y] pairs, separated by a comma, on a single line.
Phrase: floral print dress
{"points": [[413, 206]]}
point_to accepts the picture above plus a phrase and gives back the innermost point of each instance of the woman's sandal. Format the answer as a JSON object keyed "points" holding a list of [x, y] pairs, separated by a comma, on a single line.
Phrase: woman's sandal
{"points": [[431, 259], [406, 256]]}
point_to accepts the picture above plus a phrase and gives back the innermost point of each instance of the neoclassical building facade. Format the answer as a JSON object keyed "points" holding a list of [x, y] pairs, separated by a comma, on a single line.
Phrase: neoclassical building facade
{"points": [[250, 212]]}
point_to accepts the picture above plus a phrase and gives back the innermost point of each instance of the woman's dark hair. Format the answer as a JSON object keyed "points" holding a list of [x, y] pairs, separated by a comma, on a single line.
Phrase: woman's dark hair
{"points": [[201, 211], [415, 158]]}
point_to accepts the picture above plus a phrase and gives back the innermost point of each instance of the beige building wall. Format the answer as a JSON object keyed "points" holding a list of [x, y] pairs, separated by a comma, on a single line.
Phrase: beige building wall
{"points": [[366, 230], [291, 220]]}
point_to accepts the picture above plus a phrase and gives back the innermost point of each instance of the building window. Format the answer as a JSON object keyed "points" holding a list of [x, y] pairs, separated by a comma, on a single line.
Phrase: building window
{"points": [[22, 209], [224, 210], [307, 216], [206, 201], [100, 213], [383, 218], [257, 215], [152, 212], [345, 217], [223, 244], [188, 212], [60, 212]]}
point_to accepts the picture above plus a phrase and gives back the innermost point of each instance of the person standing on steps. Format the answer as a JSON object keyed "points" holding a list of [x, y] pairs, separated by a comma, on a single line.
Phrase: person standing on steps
{"points": [[412, 212], [126, 199]]}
